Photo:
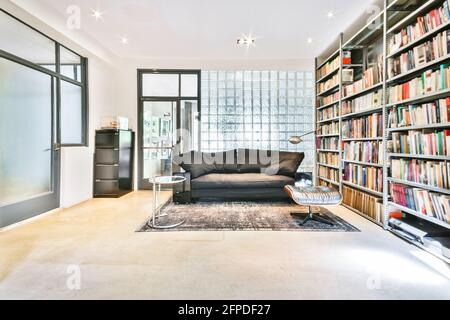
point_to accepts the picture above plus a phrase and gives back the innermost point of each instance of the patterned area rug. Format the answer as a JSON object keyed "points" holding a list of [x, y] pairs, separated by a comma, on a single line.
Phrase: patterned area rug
{"points": [[244, 216]]}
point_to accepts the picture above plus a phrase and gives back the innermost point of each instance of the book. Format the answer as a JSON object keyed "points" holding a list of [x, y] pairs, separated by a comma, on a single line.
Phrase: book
{"points": [[430, 81], [432, 50], [436, 112], [371, 77], [329, 158], [364, 176], [329, 173], [364, 203], [365, 127], [322, 101], [328, 68], [328, 113], [431, 173], [423, 25], [366, 102], [431, 204], [328, 143], [426, 142], [367, 151], [330, 83], [331, 128]]}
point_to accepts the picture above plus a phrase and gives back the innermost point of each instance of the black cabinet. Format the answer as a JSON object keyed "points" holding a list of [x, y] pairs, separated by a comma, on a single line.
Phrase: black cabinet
{"points": [[113, 163]]}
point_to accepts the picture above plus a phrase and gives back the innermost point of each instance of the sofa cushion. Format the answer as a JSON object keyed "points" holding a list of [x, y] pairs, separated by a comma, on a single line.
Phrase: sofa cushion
{"points": [[253, 161], [240, 181], [224, 162], [287, 164], [193, 162]]}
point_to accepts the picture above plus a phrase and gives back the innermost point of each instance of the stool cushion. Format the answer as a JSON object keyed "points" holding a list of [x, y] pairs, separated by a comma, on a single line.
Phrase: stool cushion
{"points": [[311, 196]]}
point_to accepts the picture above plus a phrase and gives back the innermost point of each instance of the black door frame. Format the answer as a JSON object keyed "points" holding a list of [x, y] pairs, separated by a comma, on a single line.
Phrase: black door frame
{"points": [[16, 212], [178, 99]]}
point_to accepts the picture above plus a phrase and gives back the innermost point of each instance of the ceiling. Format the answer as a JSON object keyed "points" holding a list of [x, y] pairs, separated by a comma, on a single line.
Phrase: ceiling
{"points": [[209, 29]]}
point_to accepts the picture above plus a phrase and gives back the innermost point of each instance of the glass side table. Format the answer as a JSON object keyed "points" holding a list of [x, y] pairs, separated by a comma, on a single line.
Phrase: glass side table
{"points": [[157, 183]]}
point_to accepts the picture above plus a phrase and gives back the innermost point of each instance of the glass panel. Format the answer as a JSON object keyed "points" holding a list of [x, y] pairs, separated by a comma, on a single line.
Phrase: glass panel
{"points": [[189, 85], [190, 126], [160, 85], [268, 107], [25, 133], [26, 43], [70, 64], [71, 114], [159, 119]]}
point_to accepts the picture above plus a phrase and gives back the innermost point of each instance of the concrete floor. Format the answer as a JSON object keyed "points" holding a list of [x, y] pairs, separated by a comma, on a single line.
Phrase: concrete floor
{"points": [[92, 252]]}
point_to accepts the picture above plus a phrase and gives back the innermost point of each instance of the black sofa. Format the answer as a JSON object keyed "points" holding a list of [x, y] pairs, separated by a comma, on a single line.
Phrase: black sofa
{"points": [[236, 175]]}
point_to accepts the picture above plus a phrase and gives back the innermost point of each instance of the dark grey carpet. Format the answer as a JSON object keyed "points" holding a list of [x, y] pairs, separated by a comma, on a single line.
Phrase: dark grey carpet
{"points": [[245, 216]]}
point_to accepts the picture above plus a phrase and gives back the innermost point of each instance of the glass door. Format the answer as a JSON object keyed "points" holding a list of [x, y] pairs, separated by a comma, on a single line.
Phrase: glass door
{"points": [[168, 119], [159, 123], [29, 154]]}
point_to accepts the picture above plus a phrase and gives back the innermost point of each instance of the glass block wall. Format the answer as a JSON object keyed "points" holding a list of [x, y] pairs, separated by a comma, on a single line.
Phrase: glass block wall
{"points": [[258, 110]]}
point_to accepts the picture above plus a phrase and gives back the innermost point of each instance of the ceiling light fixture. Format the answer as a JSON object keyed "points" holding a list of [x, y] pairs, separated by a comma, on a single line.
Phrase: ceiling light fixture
{"points": [[124, 40], [330, 14], [246, 41], [97, 14], [310, 40]]}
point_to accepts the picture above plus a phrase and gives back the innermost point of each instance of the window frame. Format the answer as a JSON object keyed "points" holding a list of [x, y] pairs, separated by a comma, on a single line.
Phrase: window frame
{"points": [[57, 77]]}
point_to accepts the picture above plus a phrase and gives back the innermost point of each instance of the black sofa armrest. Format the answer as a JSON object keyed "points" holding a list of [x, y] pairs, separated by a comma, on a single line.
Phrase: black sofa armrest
{"points": [[182, 191]]}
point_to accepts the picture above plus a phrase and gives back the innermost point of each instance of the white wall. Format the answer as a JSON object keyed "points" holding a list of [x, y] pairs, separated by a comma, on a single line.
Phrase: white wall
{"points": [[77, 163]]}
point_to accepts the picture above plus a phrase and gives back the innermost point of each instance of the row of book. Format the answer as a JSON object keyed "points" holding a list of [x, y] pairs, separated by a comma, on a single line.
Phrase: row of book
{"points": [[364, 203], [367, 177], [328, 113], [330, 158], [328, 143], [330, 83], [368, 151], [328, 67], [424, 24], [430, 82], [432, 173], [332, 98], [365, 127], [416, 115], [329, 173], [438, 47], [366, 102], [331, 128], [436, 143], [372, 76], [431, 204]]}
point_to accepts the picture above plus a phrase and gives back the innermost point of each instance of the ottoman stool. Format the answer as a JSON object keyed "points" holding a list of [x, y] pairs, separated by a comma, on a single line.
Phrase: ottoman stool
{"points": [[314, 196]]}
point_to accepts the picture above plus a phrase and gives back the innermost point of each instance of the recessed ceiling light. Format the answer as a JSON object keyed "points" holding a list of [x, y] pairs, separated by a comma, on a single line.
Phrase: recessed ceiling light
{"points": [[330, 14], [245, 40], [124, 40], [310, 40], [97, 14]]}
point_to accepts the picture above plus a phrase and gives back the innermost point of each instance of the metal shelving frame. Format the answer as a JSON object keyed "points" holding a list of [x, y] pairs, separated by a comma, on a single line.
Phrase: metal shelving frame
{"points": [[336, 88], [395, 15]]}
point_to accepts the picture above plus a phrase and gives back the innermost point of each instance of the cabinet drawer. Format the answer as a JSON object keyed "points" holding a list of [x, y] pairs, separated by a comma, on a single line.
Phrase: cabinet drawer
{"points": [[106, 187], [107, 140], [107, 172], [107, 156]]}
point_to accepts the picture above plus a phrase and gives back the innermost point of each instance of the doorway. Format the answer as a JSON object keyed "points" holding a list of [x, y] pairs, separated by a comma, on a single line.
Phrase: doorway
{"points": [[29, 153], [168, 119]]}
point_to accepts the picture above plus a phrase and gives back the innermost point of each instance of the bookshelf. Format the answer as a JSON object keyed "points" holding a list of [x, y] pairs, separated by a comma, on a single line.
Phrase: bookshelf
{"points": [[328, 120], [417, 174], [384, 43]]}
